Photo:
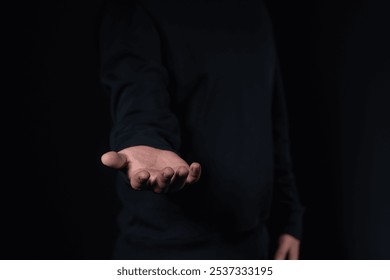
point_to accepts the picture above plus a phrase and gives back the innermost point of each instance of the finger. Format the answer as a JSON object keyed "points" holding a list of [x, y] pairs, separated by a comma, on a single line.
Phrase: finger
{"points": [[281, 252], [163, 180], [194, 174], [114, 160], [139, 180], [179, 179], [294, 252]]}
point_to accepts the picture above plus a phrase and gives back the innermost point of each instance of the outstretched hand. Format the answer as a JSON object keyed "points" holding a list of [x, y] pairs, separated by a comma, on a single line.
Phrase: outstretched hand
{"points": [[151, 168]]}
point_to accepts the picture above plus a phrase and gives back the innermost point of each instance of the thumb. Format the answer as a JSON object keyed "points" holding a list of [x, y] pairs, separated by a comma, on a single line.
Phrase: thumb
{"points": [[114, 160]]}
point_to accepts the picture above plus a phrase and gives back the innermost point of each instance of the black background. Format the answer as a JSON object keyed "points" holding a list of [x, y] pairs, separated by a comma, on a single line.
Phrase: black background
{"points": [[60, 202]]}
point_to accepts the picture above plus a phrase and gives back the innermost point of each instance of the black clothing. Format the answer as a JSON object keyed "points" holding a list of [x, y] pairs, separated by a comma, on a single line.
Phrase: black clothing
{"points": [[247, 245], [200, 78]]}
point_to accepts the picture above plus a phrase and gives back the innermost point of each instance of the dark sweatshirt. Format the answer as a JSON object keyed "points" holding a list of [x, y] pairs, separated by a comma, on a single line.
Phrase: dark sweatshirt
{"points": [[200, 78]]}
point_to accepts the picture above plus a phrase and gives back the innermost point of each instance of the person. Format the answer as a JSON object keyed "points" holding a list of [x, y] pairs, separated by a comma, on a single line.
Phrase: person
{"points": [[200, 131]]}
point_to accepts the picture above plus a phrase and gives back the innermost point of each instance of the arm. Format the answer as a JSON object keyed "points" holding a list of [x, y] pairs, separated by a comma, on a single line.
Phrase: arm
{"points": [[145, 138], [287, 211], [133, 75]]}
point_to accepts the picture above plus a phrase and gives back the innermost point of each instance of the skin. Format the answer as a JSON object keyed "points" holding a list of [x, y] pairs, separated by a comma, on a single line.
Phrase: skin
{"points": [[154, 169], [164, 171], [288, 248]]}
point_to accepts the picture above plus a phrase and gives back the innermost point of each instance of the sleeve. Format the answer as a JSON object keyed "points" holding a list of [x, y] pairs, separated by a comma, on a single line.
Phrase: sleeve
{"points": [[133, 74], [287, 210]]}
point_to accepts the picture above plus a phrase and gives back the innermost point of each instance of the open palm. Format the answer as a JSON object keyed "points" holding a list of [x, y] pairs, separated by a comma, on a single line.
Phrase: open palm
{"points": [[151, 168]]}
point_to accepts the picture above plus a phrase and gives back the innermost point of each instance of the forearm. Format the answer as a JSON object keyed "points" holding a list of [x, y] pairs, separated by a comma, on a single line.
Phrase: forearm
{"points": [[136, 80], [287, 208]]}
